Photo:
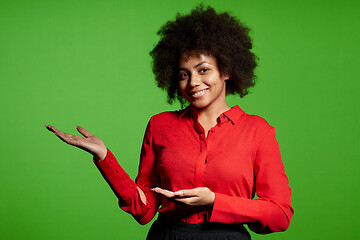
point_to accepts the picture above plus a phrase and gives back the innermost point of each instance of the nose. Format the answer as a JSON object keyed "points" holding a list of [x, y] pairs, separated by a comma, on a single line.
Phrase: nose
{"points": [[194, 80]]}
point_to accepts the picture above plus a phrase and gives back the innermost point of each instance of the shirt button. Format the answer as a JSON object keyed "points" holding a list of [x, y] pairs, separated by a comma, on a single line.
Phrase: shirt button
{"points": [[223, 116], [111, 161], [118, 170]]}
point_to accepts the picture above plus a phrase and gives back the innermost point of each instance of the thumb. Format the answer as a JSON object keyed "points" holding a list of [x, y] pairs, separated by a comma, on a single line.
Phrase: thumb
{"points": [[83, 131]]}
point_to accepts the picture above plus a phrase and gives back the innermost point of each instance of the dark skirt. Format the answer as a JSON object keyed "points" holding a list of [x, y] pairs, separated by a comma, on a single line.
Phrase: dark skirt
{"points": [[165, 228]]}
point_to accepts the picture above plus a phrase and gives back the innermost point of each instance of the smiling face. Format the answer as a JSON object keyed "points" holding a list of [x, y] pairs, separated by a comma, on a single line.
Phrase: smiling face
{"points": [[200, 81]]}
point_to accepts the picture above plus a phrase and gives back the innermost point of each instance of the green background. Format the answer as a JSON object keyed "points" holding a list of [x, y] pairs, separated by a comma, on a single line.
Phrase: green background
{"points": [[86, 63]]}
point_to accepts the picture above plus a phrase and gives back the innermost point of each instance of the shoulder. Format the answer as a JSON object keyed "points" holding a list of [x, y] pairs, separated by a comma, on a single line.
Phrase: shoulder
{"points": [[166, 116], [256, 121], [258, 128], [242, 119], [256, 125], [165, 119]]}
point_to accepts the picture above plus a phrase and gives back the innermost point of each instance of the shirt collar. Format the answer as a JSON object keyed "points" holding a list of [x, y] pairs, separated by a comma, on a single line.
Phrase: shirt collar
{"points": [[233, 114], [184, 111]]}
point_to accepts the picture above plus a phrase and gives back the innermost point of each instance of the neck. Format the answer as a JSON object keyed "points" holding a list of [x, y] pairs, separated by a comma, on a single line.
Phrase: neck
{"points": [[208, 117], [212, 113]]}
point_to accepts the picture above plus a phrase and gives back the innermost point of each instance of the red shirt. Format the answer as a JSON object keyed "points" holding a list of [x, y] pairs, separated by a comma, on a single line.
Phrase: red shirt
{"points": [[240, 156]]}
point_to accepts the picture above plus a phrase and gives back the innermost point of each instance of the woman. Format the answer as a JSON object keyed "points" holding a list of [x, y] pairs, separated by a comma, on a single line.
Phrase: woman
{"points": [[202, 164]]}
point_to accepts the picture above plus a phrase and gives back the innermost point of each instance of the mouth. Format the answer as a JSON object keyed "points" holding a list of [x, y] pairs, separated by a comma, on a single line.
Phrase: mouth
{"points": [[197, 94]]}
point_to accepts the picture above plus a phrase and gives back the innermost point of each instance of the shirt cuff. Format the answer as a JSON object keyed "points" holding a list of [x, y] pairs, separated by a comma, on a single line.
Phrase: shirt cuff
{"points": [[230, 209]]}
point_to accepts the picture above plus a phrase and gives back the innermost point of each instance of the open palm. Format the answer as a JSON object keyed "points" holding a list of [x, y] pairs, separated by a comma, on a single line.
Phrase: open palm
{"points": [[89, 142]]}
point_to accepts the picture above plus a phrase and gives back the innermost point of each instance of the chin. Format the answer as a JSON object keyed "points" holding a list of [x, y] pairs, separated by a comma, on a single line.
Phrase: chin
{"points": [[199, 104]]}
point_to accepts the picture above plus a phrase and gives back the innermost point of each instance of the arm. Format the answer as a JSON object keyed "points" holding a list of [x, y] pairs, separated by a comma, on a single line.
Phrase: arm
{"points": [[272, 211], [136, 197]]}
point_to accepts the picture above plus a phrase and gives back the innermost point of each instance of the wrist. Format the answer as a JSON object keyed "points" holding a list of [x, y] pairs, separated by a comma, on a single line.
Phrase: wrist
{"points": [[101, 155]]}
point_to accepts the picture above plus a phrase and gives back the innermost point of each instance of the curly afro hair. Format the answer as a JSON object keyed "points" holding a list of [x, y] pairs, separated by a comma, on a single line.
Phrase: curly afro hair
{"points": [[204, 31]]}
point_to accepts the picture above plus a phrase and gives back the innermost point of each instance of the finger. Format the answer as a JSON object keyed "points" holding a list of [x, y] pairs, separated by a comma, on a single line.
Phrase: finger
{"points": [[83, 131], [68, 138], [165, 193], [52, 129], [188, 201], [187, 193], [64, 136]]}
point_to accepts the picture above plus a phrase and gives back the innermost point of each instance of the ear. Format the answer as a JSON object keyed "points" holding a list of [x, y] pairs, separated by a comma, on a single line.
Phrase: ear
{"points": [[226, 76]]}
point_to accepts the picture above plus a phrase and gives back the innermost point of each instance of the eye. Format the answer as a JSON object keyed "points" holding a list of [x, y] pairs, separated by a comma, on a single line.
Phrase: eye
{"points": [[183, 75], [204, 70]]}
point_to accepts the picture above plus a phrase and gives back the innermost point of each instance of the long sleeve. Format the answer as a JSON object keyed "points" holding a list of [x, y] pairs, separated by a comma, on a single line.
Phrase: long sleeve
{"points": [[126, 189], [271, 212]]}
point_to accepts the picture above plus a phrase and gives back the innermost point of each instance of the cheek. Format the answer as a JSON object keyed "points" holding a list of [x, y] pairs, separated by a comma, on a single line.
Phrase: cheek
{"points": [[213, 81], [182, 86]]}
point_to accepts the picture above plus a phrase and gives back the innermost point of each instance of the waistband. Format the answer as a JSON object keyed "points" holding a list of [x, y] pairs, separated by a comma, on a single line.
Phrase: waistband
{"points": [[193, 227]]}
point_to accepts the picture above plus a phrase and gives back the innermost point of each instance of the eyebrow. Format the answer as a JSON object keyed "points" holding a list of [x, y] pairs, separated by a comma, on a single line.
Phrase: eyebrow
{"points": [[197, 65]]}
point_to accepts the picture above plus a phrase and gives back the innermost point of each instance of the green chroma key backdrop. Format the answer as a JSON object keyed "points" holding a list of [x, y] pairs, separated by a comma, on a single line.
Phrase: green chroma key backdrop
{"points": [[86, 63]]}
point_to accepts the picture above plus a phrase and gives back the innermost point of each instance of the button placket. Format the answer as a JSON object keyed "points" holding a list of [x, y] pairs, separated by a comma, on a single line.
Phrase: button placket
{"points": [[202, 142]]}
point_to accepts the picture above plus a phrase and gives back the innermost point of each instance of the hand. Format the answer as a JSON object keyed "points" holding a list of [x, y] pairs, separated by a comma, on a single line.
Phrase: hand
{"points": [[201, 196], [89, 143]]}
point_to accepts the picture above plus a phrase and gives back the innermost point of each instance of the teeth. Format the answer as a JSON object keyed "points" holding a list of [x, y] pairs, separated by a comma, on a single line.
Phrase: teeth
{"points": [[198, 93]]}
